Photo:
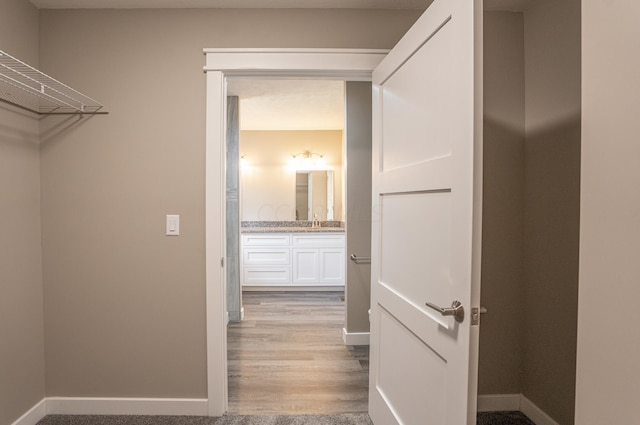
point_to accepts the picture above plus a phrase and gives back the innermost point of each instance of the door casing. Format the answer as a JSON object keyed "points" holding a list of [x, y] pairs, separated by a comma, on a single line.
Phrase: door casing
{"points": [[337, 64]]}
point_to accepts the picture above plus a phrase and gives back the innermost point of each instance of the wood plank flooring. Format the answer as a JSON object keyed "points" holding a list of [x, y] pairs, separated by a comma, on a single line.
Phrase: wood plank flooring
{"points": [[288, 357]]}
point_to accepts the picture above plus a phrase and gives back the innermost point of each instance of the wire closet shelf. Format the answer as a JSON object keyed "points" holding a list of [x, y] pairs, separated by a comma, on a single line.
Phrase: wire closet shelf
{"points": [[27, 88]]}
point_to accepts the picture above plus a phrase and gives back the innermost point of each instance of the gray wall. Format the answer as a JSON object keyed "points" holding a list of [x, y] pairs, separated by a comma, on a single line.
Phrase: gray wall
{"points": [[531, 205], [21, 322], [501, 333], [232, 262], [358, 204], [125, 305], [552, 204], [608, 341]]}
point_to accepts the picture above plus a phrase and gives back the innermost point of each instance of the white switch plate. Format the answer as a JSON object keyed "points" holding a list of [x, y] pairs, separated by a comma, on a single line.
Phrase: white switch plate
{"points": [[173, 225]]}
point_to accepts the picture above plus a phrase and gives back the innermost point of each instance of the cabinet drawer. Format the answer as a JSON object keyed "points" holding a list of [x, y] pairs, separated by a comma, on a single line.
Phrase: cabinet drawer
{"points": [[266, 276], [265, 256], [317, 241], [265, 239]]}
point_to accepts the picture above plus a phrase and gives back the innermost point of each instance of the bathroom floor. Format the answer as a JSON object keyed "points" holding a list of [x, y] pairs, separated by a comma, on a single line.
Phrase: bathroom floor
{"points": [[287, 357]]}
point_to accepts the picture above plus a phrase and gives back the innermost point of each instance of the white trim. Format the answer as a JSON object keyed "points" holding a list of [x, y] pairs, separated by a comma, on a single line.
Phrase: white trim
{"points": [[215, 239], [289, 50], [355, 338], [344, 64], [351, 64], [499, 402], [125, 406], [33, 415], [514, 402], [533, 412]]}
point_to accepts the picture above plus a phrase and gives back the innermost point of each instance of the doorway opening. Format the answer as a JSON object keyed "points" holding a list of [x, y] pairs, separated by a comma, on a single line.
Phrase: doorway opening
{"points": [[285, 198], [342, 64]]}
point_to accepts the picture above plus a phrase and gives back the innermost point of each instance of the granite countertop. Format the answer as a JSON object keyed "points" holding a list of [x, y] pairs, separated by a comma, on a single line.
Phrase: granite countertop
{"points": [[296, 229], [291, 227]]}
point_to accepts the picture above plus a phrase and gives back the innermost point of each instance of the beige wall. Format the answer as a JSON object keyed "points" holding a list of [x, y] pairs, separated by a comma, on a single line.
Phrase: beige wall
{"points": [[501, 333], [552, 204], [268, 181], [21, 320], [125, 305], [608, 341]]}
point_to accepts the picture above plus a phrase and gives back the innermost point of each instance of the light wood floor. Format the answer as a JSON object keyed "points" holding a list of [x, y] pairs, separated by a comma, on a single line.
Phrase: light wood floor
{"points": [[288, 357]]}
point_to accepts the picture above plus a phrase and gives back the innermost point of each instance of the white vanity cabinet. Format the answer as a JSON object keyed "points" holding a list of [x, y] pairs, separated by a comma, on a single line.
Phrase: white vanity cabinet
{"points": [[292, 259], [266, 259], [318, 259]]}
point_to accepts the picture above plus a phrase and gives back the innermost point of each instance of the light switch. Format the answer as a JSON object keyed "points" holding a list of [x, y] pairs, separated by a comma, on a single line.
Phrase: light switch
{"points": [[173, 225]]}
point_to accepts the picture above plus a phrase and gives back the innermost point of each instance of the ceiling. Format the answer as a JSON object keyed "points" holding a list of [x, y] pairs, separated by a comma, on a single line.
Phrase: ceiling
{"points": [[513, 5], [239, 4], [289, 104]]}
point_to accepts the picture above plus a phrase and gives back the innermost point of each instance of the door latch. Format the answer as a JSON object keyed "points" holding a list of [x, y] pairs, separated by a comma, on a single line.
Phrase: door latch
{"points": [[475, 315]]}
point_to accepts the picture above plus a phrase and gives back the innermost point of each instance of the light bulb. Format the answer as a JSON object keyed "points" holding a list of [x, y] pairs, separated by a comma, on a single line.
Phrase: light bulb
{"points": [[293, 162]]}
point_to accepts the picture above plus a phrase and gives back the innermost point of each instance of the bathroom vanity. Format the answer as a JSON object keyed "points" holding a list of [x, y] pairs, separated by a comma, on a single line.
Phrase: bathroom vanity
{"points": [[287, 257]]}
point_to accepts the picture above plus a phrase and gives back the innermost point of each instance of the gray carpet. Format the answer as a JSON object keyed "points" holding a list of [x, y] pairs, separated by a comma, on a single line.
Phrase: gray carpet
{"points": [[344, 419], [493, 418], [503, 418], [126, 420]]}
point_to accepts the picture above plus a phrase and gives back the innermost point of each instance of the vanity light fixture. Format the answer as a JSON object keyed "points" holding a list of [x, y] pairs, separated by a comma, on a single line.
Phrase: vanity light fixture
{"points": [[308, 160], [244, 164]]}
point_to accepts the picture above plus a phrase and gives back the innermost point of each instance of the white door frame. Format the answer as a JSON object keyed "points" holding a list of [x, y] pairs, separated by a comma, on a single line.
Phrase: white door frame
{"points": [[339, 64]]}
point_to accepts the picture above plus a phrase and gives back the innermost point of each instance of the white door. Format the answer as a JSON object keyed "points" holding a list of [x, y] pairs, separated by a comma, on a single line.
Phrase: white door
{"points": [[426, 220]]}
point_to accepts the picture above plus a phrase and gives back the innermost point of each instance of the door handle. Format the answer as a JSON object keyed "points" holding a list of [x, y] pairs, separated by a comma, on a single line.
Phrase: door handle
{"points": [[456, 310], [360, 260]]}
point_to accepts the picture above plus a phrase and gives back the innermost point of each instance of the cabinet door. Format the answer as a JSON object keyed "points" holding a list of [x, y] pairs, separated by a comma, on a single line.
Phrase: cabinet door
{"points": [[305, 266], [331, 266]]}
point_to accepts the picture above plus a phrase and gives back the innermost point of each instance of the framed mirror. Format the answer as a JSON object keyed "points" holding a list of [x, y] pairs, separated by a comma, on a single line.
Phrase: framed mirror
{"points": [[314, 195]]}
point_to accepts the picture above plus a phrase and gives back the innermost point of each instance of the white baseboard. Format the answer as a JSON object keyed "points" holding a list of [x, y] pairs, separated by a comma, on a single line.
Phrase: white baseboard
{"points": [[126, 406], [499, 403], [241, 313], [534, 413], [514, 402], [33, 415], [355, 338]]}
